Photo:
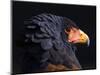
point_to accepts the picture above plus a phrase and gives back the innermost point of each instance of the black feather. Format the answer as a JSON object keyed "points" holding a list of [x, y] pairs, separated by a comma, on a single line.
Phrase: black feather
{"points": [[48, 31]]}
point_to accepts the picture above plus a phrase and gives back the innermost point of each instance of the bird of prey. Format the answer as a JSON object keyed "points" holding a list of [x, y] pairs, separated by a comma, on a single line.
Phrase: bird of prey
{"points": [[57, 37]]}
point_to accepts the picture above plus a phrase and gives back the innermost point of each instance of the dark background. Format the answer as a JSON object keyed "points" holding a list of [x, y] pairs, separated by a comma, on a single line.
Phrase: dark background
{"points": [[83, 16]]}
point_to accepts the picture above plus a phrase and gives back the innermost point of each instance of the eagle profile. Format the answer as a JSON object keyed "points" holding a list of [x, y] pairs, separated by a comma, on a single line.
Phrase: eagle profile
{"points": [[56, 36]]}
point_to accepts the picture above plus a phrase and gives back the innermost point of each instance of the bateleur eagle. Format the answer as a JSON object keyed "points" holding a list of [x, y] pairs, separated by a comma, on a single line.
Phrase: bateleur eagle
{"points": [[56, 36]]}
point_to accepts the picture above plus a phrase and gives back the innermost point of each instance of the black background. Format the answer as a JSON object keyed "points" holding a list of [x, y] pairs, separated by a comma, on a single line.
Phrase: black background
{"points": [[83, 16]]}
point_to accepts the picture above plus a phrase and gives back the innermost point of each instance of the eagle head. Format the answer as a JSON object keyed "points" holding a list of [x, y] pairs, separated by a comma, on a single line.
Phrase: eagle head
{"points": [[76, 35]]}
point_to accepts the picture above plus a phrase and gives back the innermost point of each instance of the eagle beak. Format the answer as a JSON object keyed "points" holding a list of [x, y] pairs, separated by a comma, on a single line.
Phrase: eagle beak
{"points": [[84, 39]]}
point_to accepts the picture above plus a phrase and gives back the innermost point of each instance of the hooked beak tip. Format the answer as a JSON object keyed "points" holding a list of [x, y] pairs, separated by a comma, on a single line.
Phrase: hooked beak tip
{"points": [[88, 42], [86, 37]]}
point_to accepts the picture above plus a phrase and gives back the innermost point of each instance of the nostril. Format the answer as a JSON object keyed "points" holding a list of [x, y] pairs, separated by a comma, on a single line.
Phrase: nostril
{"points": [[82, 39]]}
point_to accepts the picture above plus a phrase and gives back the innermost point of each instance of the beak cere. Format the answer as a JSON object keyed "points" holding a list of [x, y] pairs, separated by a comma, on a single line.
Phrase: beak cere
{"points": [[84, 39]]}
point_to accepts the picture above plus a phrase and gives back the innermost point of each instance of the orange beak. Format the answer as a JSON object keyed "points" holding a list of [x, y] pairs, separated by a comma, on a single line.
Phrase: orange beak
{"points": [[84, 38]]}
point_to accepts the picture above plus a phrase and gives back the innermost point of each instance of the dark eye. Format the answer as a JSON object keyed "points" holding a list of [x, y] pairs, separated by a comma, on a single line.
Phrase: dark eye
{"points": [[75, 31]]}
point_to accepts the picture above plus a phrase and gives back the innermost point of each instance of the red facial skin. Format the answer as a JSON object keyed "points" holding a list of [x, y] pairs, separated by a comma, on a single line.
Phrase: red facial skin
{"points": [[73, 35]]}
